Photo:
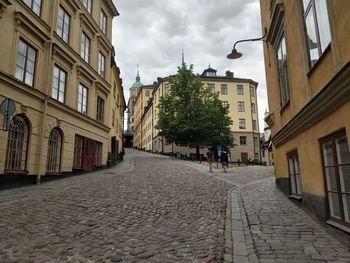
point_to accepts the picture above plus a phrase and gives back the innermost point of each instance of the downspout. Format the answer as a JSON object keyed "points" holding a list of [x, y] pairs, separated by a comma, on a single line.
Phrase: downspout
{"points": [[43, 121]]}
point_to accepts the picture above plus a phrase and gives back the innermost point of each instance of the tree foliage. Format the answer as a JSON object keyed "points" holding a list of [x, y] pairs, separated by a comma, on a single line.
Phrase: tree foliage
{"points": [[190, 115]]}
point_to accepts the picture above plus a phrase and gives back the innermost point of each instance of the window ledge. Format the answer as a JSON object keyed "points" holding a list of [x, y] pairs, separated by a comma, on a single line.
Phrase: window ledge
{"points": [[338, 225], [283, 108], [314, 66], [297, 197], [19, 172]]}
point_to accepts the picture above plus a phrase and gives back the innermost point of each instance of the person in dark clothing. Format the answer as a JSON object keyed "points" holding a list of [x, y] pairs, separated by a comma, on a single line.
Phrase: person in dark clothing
{"points": [[224, 160], [210, 158]]}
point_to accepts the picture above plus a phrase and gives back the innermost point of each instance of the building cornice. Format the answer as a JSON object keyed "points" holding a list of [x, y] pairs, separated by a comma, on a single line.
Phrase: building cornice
{"points": [[3, 5], [334, 95]]}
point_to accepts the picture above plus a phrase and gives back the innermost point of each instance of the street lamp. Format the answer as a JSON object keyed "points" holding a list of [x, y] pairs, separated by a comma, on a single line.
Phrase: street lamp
{"points": [[235, 54]]}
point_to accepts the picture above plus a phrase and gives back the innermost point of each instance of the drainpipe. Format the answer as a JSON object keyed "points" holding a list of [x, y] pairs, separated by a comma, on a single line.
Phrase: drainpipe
{"points": [[41, 163]]}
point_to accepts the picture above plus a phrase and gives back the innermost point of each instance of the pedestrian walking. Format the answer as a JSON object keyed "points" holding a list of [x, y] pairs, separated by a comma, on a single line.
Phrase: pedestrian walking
{"points": [[210, 158], [224, 160]]}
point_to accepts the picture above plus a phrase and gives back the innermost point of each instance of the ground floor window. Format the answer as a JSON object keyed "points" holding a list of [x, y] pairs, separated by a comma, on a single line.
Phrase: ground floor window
{"points": [[53, 162], [78, 152], [336, 165], [17, 145], [294, 174]]}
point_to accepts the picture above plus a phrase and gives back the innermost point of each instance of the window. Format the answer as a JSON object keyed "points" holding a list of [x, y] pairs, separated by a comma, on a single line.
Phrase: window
{"points": [[82, 99], [242, 123], [224, 89], [101, 64], [283, 72], [34, 5], [336, 164], [100, 107], [53, 161], [103, 22], [78, 152], [211, 88], [241, 106], [147, 93], [252, 91], [98, 154], [256, 142], [25, 64], [167, 87], [85, 47], [243, 140], [253, 108], [224, 104], [63, 21], [254, 125], [17, 144], [240, 90], [318, 33], [294, 174], [58, 84], [88, 5]]}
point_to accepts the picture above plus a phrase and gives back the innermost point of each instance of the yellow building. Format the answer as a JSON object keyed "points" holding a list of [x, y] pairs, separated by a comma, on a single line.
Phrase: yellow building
{"points": [[56, 67], [144, 94], [236, 93], [308, 79]]}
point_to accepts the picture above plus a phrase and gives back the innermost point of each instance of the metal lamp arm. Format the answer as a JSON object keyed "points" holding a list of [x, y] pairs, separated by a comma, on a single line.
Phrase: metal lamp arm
{"points": [[251, 39]]}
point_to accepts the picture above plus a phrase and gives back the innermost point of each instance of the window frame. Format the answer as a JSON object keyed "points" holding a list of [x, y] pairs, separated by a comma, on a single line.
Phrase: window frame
{"points": [[252, 91], [24, 73], [282, 72], [293, 175], [332, 138], [81, 97], [101, 64], [311, 8], [103, 22], [88, 5], [16, 147], [65, 14], [211, 87], [243, 140], [100, 108], [56, 162], [224, 90], [240, 89], [83, 43], [60, 70], [240, 106], [31, 6], [241, 121]]}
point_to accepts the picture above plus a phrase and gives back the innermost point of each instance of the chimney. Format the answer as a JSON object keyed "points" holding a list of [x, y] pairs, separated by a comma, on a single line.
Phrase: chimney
{"points": [[229, 74]]}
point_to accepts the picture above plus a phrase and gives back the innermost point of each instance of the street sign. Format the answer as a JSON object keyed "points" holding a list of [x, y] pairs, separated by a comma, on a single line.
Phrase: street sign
{"points": [[7, 107]]}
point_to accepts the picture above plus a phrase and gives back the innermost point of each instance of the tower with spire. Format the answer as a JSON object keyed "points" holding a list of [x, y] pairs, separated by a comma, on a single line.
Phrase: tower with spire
{"points": [[134, 89]]}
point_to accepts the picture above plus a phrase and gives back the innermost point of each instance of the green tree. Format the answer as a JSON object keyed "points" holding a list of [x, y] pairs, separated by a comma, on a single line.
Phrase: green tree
{"points": [[190, 115]]}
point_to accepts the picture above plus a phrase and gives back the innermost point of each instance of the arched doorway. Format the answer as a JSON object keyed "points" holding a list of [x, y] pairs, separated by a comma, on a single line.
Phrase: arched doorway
{"points": [[53, 163], [17, 145]]}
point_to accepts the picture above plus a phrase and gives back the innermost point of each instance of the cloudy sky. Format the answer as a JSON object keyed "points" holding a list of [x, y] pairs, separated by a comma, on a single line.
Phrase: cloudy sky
{"points": [[153, 33]]}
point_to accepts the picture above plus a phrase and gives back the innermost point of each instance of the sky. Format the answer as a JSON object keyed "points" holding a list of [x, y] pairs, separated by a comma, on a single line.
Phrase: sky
{"points": [[153, 33]]}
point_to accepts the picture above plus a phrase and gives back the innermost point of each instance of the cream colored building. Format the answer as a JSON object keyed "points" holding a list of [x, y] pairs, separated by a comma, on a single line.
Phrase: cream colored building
{"points": [[56, 67], [240, 96], [308, 80], [144, 94]]}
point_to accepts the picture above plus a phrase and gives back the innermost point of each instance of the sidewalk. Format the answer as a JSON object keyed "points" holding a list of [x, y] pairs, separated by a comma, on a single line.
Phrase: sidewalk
{"points": [[263, 225]]}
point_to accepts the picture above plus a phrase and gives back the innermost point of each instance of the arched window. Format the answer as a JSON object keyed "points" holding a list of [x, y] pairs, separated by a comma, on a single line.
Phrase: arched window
{"points": [[17, 145], [54, 151]]}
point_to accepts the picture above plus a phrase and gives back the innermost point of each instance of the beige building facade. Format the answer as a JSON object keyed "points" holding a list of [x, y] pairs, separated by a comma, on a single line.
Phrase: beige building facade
{"points": [[308, 79], [236, 93], [56, 68]]}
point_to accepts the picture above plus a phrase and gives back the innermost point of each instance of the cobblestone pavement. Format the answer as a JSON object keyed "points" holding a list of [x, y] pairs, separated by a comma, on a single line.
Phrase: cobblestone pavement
{"points": [[150, 208], [267, 227]]}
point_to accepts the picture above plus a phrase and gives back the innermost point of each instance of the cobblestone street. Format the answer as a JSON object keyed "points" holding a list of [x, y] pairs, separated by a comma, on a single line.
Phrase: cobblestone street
{"points": [[152, 208], [149, 208]]}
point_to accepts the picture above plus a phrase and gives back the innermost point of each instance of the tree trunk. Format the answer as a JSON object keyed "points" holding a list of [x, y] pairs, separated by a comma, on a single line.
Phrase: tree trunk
{"points": [[197, 152]]}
